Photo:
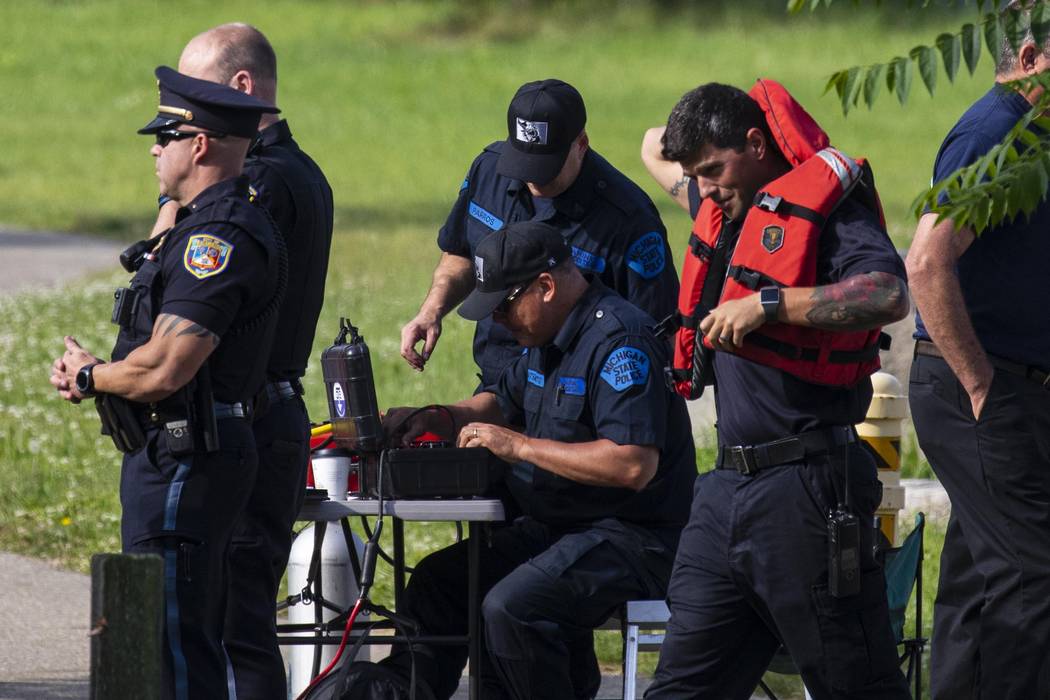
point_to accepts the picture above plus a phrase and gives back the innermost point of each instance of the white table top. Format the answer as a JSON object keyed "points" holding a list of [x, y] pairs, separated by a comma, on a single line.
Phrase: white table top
{"points": [[434, 509]]}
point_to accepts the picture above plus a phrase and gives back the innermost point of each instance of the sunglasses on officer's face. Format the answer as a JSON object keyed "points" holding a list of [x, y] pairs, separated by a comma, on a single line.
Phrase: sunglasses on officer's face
{"points": [[504, 305], [166, 136]]}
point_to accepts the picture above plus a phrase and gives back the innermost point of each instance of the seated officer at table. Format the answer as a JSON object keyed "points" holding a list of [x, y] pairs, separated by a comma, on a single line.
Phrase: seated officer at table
{"points": [[602, 473]]}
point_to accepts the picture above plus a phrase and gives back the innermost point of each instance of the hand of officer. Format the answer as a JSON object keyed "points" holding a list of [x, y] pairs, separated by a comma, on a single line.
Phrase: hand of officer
{"points": [[402, 427], [505, 443], [728, 323], [64, 370], [423, 327]]}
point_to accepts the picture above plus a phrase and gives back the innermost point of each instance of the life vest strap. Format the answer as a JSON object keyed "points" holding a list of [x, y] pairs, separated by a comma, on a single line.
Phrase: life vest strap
{"points": [[779, 205], [798, 353], [752, 279], [700, 249]]}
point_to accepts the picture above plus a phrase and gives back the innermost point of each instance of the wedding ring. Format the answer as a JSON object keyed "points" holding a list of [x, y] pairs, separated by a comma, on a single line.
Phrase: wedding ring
{"points": [[475, 433]]}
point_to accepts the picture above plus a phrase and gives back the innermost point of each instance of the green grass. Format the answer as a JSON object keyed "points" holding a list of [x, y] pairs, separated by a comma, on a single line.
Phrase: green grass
{"points": [[394, 100]]}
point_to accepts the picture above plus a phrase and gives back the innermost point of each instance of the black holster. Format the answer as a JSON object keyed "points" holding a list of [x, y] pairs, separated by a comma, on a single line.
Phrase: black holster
{"points": [[120, 423]]}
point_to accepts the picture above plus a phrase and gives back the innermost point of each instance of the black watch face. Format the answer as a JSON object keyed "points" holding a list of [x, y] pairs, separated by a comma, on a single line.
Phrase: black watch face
{"points": [[770, 295], [84, 380]]}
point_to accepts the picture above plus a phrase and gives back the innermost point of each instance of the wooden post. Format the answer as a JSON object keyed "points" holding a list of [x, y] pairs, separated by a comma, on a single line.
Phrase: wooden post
{"points": [[127, 609]]}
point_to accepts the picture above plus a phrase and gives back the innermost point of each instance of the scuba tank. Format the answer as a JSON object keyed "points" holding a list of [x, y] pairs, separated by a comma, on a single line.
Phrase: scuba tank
{"points": [[347, 370]]}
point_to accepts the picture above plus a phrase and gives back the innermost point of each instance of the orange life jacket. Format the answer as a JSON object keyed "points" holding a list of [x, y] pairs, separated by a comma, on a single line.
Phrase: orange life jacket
{"points": [[777, 245]]}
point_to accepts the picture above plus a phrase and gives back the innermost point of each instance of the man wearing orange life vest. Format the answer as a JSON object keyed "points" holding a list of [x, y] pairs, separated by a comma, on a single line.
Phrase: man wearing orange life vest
{"points": [[754, 567]]}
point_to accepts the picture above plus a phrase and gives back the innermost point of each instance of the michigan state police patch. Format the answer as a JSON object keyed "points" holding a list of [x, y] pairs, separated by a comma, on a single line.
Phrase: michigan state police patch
{"points": [[625, 367], [647, 256], [206, 255]]}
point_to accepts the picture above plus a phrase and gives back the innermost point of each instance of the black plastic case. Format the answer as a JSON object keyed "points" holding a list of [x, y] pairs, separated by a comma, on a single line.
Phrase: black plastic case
{"points": [[442, 472]]}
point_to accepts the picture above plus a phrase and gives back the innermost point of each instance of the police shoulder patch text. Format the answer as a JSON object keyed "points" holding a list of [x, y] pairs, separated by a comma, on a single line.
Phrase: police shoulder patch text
{"points": [[625, 367], [646, 256], [206, 255]]}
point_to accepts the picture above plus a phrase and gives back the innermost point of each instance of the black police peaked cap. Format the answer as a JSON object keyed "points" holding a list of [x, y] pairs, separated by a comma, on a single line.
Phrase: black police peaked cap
{"points": [[204, 104]]}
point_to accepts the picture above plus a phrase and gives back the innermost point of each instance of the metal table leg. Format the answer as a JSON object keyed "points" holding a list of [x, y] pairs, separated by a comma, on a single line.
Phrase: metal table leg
{"points": [[399, 561], [473, 611]]}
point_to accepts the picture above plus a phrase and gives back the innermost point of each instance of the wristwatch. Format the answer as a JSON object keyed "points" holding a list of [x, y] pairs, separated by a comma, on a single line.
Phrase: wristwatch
{"points": [[85, 381], [769, 297]]}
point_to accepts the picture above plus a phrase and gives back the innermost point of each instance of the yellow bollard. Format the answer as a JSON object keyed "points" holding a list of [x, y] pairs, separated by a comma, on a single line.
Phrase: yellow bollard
{"points": [[881, 432]]}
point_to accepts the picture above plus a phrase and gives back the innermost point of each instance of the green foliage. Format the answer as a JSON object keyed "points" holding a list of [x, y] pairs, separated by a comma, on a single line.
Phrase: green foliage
{"points": [[1010, 179], [1016, 181]]}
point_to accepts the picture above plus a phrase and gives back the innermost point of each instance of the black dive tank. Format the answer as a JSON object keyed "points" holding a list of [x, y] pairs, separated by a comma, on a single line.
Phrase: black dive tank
{"points": [[348, 381]]}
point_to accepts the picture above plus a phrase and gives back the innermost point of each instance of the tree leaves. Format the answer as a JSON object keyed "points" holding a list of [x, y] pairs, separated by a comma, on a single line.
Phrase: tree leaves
{"points": [[1001, 184], [963, 46], [950, 46], [971, 46]]}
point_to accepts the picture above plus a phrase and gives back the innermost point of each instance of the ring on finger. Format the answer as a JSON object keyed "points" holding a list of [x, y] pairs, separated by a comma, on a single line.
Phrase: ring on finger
{"points": [[475, 433]]}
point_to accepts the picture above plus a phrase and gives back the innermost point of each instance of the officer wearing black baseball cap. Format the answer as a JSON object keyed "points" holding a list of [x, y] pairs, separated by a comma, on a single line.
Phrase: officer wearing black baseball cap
{"points": [[505, 263], [177, 393], [545, 171], [603, 463]]}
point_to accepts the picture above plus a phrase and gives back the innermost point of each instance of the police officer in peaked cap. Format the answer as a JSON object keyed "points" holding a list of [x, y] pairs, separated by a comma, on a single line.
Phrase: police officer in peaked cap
{"points": [[175, 394], [290, 185], [546, 171]]}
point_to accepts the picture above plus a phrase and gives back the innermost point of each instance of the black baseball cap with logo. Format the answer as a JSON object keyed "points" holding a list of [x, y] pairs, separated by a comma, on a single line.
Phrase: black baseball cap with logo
{"points": [[543, 120], [508, 258]]}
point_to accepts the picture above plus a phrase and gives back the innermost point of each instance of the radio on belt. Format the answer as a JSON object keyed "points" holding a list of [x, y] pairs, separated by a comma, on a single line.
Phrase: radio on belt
{"points": [[423, 471]]}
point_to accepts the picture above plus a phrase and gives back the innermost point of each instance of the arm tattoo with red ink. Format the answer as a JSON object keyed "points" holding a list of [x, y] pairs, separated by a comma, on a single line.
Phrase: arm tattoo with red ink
{"points": [[859, 303]]}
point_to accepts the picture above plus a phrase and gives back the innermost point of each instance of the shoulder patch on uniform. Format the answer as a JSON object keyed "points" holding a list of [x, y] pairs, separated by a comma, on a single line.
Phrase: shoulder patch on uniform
{"points": [[536, 378], [485, 216], [626, 367], [206, 255], [648, 255], [588, 262], [465, 185]]}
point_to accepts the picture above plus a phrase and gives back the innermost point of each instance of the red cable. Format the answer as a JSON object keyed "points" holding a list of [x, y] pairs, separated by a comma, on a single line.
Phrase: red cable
{"points": [[339, 652]]}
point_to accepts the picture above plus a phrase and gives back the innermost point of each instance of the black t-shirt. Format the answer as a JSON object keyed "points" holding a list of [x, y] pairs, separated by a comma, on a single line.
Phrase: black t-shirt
{"points": [[756, 403], [1003, 274], [613, 227], [294, 190], [601, 377]]}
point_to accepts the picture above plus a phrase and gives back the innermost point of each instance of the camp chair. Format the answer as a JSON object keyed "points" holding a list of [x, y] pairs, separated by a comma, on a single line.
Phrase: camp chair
{"points": [[903, 568]]}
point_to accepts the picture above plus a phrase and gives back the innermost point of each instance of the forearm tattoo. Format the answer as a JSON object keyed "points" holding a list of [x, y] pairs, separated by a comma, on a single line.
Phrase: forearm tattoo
{"points": [[677, 187], [859, 303], [172, 323]]}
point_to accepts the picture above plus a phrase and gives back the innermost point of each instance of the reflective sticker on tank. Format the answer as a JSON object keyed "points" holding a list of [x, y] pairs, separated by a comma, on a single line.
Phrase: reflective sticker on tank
{"points": [[339, 400], [206, 255], [647, 256], [625, 367]]}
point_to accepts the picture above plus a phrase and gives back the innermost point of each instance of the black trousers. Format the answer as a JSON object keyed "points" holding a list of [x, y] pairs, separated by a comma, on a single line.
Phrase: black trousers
{"points": [[259, 550], [751, 572], [184, 509], [991, 620], [545, 589]]}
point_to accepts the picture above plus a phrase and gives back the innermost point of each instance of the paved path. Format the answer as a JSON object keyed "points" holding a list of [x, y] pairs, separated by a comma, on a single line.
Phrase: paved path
{"points": [[41, 259]]}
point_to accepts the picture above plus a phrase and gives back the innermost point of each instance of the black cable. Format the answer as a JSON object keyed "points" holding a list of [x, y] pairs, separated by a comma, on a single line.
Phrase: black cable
{"points": [[379, 549]]}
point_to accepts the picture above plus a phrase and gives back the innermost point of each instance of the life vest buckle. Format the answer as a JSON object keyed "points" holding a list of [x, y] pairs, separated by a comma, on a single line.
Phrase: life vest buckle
{"points": [[769, 202]]}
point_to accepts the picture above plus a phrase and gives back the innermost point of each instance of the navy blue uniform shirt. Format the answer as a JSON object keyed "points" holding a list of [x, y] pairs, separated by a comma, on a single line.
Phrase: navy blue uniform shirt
{"points": [[217, 267], [612, 225], [294, 190], [600, 377], [756, 403], [1003, 274]]}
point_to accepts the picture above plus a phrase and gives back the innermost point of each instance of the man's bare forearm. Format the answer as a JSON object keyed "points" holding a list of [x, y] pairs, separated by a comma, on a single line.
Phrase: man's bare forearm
{"points": [[861, 302], [453, 280]]}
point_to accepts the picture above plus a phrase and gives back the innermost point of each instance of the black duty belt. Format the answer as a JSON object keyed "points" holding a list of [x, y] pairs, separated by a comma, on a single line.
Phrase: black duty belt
{"points": [[1036, 374], [748, 459], [150, 417], [283, 391]]}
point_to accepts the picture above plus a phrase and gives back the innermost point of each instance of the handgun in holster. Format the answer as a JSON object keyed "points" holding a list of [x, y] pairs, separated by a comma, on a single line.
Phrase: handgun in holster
{"points": [[120, 423], [202, 409]]}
